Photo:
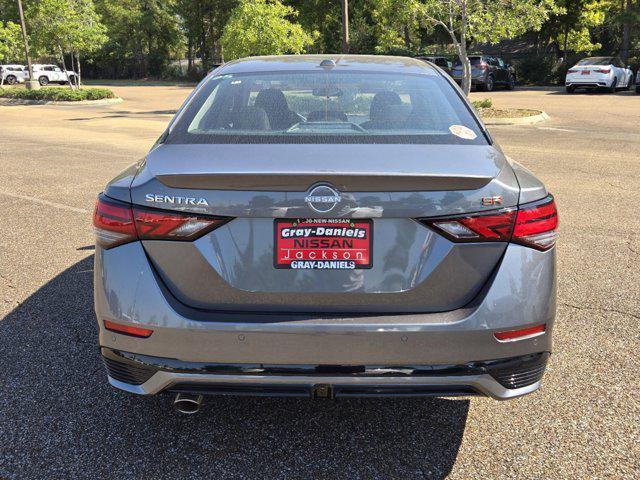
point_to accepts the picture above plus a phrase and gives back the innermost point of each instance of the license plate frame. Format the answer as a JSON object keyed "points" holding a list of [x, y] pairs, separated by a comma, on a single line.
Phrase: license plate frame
{"points": [[351, 252]]}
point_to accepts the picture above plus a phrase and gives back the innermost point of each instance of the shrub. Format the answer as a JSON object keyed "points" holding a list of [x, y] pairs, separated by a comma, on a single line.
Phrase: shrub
{"points": [[58, 94], [485, 103]]}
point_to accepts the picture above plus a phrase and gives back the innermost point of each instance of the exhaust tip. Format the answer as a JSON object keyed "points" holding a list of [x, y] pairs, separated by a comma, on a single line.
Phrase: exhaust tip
{"points": [[187, 403]]}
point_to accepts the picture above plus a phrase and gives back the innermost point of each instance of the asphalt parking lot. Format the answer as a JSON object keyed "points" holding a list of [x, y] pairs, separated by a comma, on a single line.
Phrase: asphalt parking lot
{"points": [[60, 419]]}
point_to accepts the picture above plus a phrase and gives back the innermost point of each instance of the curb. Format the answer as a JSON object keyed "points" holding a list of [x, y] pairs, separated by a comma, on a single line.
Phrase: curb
{"points": [[541, 117], [21, 101]]}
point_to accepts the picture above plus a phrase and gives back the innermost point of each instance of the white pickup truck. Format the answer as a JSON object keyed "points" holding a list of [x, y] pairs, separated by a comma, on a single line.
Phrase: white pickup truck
{"points": [[46, 74]]}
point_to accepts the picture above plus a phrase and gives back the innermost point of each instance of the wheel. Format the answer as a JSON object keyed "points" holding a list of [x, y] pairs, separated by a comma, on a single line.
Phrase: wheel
{"points": [[488, 84], [630, 84], [11, 79], [511, 83], [570, 89], [73, 80], [43, 80], [637, 88], [614, 85]]}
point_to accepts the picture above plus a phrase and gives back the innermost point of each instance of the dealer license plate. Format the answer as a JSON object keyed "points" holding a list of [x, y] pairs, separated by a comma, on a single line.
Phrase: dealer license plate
{"points": [[323, 243]]}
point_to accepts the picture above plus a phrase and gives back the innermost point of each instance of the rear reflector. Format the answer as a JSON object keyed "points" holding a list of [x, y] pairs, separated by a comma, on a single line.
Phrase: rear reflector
{"points": [[127, 329], [118, 222], [523, 334], [533, 224]]}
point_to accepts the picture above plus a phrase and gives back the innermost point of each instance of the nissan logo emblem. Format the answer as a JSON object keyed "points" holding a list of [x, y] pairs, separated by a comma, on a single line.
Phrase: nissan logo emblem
{"points": [[322, 198]]}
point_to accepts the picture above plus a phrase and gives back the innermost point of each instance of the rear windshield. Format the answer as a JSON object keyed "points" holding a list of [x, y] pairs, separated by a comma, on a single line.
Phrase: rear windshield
{"points": [[595, 61], [327, 107]]}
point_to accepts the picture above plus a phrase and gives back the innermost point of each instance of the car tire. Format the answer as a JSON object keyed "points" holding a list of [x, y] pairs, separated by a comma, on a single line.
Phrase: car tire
{"points": [[637, 88], [571, 89], [631, 82], [511, 83], [489, 84], [11, 80], [43, 80], [614, 85]]}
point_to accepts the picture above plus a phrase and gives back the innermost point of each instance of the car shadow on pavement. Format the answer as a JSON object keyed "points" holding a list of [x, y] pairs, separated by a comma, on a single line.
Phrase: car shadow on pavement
{"points": [[60, 418]]}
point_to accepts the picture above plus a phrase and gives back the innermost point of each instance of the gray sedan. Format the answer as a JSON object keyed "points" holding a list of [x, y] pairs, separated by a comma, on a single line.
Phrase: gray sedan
{"points": [[325, 226]]}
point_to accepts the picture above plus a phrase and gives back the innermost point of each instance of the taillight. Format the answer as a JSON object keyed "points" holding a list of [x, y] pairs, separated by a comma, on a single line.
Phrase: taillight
{"points": [[118, 222], [537, 224], [534, 224], [165, 225], [113, 222], [485, 227], [483, 66], [603, 70], [571, 71]]}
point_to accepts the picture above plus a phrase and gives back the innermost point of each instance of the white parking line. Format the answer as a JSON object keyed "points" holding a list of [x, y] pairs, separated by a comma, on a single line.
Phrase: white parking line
{"points": [[556, 129], [40, 201]]}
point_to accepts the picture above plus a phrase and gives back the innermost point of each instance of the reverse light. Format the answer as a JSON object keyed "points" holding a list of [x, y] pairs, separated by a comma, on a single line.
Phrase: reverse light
{"points": [[533, 224], [522, 334], [127, 329], [118, 222]]}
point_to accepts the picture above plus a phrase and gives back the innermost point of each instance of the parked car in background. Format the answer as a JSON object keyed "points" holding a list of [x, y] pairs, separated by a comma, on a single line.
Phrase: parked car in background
{"points": [[486, 72], [443, 62], [12, 74], [46, 74], [599, 72], [638, 83]]}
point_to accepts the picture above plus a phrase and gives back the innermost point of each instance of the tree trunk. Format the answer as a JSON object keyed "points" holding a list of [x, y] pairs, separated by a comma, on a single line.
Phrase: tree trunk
{"points": [[79, 72], [189, 56], [64, 66], [345, 26], [626, 33], [462, 53], [407, 37], [565, 46]]}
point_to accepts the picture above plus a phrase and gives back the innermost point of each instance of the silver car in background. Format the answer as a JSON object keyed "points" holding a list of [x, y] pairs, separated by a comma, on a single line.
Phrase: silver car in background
{"points": [[325, 226]]}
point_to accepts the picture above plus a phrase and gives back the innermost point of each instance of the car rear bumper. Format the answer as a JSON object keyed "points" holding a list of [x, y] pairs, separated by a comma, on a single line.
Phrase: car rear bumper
{"points": [[520, 294], [500, 379], [587, 84], [475, 81]]}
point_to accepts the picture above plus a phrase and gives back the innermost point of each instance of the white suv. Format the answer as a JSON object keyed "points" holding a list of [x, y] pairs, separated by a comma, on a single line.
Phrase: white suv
{"points": [[12, 74], [46, 74]]}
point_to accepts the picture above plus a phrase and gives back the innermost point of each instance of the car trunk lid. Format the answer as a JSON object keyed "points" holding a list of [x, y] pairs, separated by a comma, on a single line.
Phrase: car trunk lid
{"points": [[413, 269]]}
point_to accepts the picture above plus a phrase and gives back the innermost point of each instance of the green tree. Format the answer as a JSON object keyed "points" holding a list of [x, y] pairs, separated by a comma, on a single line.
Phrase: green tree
{"points": [[263, 27], [11, 46], [203, 24], [65, 26], [487, 21], [144, 35]]}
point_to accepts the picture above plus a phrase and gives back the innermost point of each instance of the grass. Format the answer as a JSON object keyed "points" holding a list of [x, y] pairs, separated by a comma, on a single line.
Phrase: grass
{"points": [[57, 94], [484, 103]]}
